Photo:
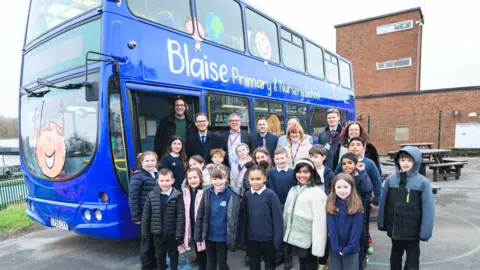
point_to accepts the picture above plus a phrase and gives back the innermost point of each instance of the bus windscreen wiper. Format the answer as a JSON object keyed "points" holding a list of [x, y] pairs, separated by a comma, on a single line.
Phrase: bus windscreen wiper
{"points": [[69, 86]]}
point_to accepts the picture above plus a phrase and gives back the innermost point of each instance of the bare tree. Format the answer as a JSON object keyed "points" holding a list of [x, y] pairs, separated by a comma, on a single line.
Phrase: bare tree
{"points": [[8, 127]]}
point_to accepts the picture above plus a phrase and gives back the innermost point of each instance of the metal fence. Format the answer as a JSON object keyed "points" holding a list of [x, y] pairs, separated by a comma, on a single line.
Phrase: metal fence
{"points": [[12, 192]]}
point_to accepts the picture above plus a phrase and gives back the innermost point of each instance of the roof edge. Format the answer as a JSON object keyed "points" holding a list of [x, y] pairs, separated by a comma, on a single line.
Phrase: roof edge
{"points": [[421, 92], [382, 16]]}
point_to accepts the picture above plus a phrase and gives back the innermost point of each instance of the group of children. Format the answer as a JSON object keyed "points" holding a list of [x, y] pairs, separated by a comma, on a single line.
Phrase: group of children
{"points": [[277, 212]]}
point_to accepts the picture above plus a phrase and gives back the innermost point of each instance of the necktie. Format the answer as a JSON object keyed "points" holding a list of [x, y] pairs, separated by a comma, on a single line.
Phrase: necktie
{"points": [[264, 142], [332, 132], [203, 139]]}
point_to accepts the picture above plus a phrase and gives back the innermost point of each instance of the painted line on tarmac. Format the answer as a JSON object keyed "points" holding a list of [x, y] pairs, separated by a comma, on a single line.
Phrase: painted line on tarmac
{"points": [[451, 259]]}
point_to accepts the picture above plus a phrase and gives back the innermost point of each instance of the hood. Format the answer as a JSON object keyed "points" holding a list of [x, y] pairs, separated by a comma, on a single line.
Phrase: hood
{"points": [[417, 159]]}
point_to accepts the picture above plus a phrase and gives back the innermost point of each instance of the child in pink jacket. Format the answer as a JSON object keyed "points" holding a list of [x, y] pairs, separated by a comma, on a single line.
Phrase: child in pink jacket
{"points": [[192, 195]]}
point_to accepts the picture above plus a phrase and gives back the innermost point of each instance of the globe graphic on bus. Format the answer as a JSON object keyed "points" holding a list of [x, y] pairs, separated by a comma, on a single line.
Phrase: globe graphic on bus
{"points": [[215, 27]]}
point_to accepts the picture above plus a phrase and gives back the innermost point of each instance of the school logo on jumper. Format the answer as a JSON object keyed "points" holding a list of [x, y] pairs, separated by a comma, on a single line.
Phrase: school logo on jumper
{"points": [[224, 203]]}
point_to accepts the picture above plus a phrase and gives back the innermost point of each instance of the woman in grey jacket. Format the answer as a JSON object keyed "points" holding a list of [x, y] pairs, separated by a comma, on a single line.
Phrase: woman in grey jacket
{"points": [[304, 216]]}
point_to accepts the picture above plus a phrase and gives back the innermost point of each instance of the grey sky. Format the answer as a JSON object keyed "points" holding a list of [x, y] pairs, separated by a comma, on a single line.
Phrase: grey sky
{"points": [[451, 54]]}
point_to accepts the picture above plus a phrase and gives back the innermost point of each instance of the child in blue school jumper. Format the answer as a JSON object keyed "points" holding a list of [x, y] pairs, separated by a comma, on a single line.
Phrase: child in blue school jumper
{"points": [[345, 223], [217, 219], [263, 218], [176, 161], [363, 185], [356, 145], [280, 179], [407, 209]]}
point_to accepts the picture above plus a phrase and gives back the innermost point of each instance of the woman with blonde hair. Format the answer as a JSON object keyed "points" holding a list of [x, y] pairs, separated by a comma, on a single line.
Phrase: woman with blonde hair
{"points": [[297, 146]]}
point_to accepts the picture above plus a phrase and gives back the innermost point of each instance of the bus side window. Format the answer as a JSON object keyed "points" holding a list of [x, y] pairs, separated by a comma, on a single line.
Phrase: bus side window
{"points": [[219, 107], [314, 60], [331, 66], [292, 51], [262, 36], [345, 77], [222, 22], [301, 112], [172, 14], [273, 112], [318, 118]]}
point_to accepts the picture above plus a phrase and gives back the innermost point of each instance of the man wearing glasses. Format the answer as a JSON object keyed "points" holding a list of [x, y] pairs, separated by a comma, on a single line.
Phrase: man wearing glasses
{"points": [[177, 123], [234, 137], [204, 141]]}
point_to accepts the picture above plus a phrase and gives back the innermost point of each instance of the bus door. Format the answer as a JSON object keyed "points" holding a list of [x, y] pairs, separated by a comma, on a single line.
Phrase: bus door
{"points": [[152, 104]]}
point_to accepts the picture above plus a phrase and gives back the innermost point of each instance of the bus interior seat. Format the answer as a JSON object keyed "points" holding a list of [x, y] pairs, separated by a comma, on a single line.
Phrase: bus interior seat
{"points": [[166, 18]]}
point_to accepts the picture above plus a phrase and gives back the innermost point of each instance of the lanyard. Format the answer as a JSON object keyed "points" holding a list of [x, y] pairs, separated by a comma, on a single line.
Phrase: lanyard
{"points": [[291, 151], [236, 137], [329, 133]]}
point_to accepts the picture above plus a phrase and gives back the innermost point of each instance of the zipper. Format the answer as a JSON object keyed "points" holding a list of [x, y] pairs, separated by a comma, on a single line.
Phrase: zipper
{"points": [[293, 211], [408, 195]]}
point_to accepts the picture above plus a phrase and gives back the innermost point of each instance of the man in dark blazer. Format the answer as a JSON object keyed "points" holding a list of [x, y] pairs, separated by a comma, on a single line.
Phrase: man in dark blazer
{"points": [[234, 137], [264, 138], [203, 141]]}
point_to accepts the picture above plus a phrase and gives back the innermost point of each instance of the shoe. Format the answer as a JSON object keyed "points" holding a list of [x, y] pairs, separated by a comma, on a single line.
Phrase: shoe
{"points": [[287, 265], [365, 262], [246, 261], [279, 262], [322, 267], [370, 250]]}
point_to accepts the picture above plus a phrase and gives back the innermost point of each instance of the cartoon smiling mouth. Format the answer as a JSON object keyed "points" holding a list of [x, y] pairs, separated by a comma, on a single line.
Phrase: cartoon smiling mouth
{"points": [[50, 160]]}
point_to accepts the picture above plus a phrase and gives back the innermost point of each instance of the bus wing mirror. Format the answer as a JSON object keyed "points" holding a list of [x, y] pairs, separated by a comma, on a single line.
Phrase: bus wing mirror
{"points": [[92, 91]]}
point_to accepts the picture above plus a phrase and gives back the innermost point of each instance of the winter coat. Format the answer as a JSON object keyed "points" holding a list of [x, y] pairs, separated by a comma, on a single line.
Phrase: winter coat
{"points": [[407, 208], [166, 221], [188, 230], [166, 130], [305, 218], [203, 218], [333, 142], [302, 152], [196, 147], [237, 176], [141, 183], [282, 140], [370, 152]]}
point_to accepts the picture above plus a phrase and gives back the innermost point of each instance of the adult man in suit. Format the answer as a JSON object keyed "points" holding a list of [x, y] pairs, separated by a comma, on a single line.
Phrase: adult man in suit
{"points": [[202, 142], [264, 138], [234, 137], [331, 136]]}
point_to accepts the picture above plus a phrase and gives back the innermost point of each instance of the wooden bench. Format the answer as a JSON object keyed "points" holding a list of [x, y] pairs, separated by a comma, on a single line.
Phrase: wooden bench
{"points": [[388, 168], [446, 169]]}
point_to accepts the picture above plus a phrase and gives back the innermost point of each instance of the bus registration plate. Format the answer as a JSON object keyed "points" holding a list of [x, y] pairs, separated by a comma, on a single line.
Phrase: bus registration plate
{"points": [[58, 223]]}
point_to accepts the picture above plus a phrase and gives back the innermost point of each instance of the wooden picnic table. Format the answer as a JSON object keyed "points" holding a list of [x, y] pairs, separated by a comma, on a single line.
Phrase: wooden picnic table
{"points": [[419, 145], [436, 154]]}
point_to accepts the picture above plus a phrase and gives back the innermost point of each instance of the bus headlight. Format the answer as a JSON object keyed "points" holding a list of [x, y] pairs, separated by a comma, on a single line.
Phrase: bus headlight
{"points": [[86, 215], [98, 215]]}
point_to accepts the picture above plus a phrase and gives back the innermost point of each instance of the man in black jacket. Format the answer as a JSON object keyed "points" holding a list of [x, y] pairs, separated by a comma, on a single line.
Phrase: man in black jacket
{"points": [[330, 138], [264, 138], [177, 123], [204, 141], [234, 137], [164, 218]]}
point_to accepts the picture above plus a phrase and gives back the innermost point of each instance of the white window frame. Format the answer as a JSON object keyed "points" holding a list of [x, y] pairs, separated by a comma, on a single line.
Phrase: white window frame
{"points": [[384, 29], [383, 65]]}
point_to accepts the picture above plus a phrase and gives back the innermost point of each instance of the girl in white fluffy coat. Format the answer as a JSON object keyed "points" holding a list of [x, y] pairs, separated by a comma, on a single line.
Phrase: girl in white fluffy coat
{"points": [[304, 216]]}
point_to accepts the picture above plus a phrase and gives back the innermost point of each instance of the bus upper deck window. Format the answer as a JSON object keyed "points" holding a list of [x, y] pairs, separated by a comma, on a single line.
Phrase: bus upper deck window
{"points": [[173, 14], [262, 36], [222, 22]]}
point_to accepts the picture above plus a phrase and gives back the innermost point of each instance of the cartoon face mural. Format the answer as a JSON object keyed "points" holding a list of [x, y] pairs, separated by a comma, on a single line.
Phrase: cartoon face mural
{"points": [[197, 32], [51, 150], [263, 45]]}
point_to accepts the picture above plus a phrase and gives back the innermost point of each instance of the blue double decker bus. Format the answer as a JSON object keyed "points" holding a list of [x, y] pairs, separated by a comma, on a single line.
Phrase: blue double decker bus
{"points": [[98, 75]]}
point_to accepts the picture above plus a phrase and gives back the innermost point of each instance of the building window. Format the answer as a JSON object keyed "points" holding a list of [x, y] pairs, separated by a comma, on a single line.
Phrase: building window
{"points": [[394, 27], [401, 133], [404, 62], [292, 51], [314, 60]]}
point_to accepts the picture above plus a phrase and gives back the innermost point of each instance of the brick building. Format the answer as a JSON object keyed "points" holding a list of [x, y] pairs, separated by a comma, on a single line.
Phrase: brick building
{"points": [[385, 52]]}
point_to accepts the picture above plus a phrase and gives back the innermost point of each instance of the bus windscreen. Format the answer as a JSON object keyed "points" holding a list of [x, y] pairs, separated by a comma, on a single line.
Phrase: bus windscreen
{"points": [[45, 15]]}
